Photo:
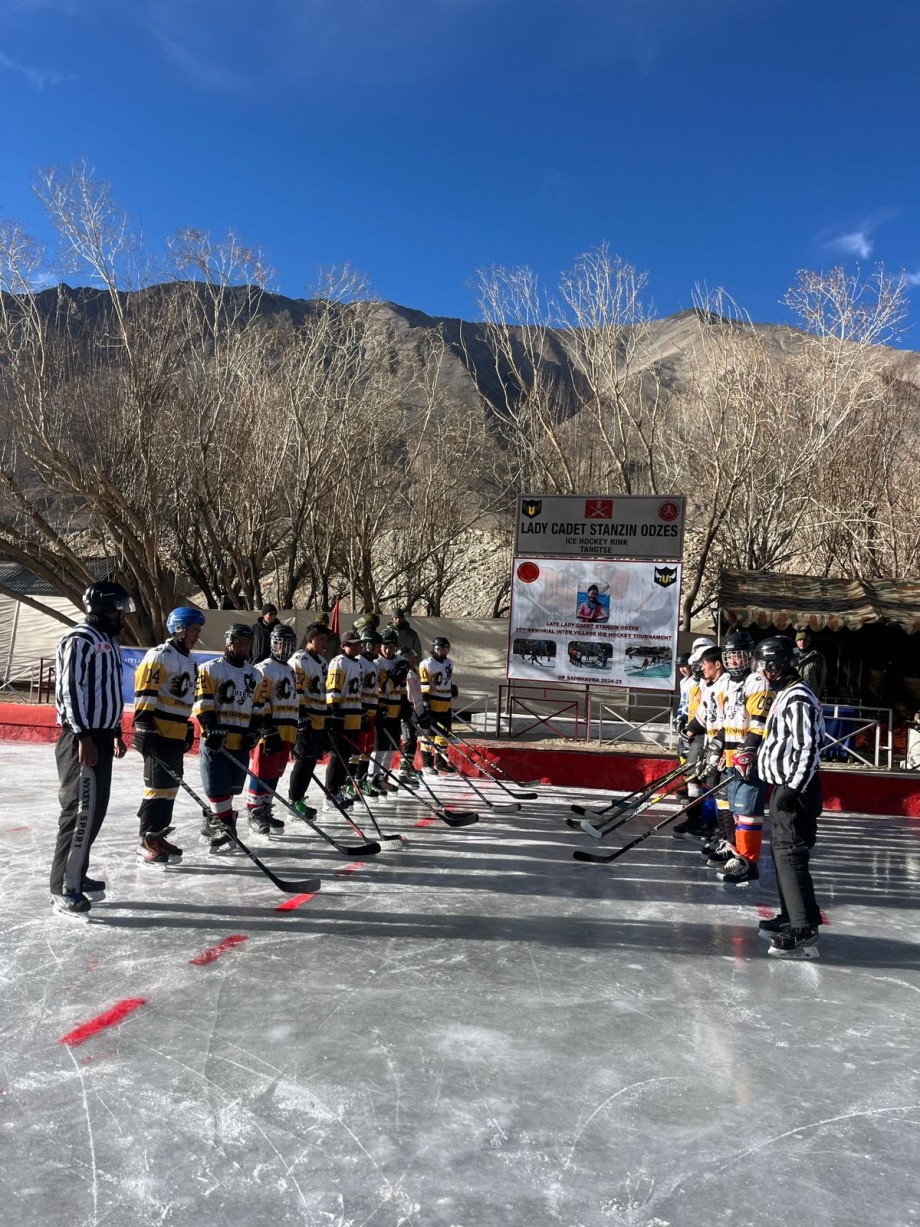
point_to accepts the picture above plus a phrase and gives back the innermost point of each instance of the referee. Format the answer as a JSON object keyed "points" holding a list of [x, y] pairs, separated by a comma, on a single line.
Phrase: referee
{"points": [[89, 700], [789, 760]]}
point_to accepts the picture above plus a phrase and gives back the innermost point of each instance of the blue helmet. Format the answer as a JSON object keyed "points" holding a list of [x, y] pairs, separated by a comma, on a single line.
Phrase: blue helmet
{"points": [[179, 620]]}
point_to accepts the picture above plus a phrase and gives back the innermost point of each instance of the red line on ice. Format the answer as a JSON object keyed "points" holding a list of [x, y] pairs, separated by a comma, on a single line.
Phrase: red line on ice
{"points": [[425, 822], [346, 869], [214, 952], [111, 1018], [295, 901]]}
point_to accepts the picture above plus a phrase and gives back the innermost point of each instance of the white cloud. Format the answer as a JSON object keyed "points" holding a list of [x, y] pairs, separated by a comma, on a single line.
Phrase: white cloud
{"points": [[856, 243], [912, 278], [38, 78]]}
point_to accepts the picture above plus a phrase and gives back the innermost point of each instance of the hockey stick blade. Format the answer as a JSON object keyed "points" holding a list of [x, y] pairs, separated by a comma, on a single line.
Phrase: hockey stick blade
{"points": [[458, 818], [307, 887], [596, 858], [502, 807]]}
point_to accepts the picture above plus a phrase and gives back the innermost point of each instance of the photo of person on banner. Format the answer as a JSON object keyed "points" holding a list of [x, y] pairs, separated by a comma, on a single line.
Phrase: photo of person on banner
{"points": [[592, 606]]}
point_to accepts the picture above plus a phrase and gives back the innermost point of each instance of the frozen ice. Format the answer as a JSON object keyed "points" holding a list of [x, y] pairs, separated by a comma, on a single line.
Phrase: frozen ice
{"points": [[470, 1030]]}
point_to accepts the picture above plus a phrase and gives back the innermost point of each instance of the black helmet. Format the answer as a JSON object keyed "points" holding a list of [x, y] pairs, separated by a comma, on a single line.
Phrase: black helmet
{"points": [[440, 642], [105, 598], [237, 630], [736, 655], [775, 657], [283, 641], [391, 638], [371, 636]]}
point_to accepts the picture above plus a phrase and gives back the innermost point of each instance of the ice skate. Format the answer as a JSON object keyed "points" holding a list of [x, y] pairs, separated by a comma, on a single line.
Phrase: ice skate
{"points": [[795, 944]]}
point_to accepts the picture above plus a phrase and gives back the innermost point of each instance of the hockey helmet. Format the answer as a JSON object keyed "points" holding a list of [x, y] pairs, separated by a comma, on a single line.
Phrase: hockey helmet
{"points": [[283, 641], [736, 655], [180, 619], [440, 642], [775, 657], [106, 598]]}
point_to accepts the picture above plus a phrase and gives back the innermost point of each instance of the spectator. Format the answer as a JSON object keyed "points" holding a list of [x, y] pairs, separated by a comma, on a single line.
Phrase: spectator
{"points": [[262, 633], [811, 664], [407, 639]]}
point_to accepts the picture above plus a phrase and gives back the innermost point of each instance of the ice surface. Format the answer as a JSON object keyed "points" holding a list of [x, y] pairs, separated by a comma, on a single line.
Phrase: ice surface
{"points": [[470, 1030]]}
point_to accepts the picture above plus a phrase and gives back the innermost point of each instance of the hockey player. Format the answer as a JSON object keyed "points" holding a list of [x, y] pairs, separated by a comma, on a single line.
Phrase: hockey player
{"points": [[164, 691], [411, 711], [228, 706], [788, 759], [436, 675], [704, 724], [310, 669], [391, 676], [89, 700], [364, 745], [344, 710], [741, 713], [694, 826], [280, 714]]}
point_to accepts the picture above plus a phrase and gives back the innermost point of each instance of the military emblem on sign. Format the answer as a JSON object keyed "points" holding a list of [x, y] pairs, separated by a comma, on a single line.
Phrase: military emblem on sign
{"points": [[531, 507], [666, 576]]}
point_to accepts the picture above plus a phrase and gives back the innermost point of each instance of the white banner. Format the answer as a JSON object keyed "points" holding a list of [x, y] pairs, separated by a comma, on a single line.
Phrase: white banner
{"points": [[604, 623]]}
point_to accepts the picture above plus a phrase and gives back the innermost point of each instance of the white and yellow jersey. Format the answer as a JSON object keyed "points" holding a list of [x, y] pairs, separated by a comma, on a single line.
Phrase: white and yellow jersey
{"points": [[281, 700], [343, 690], [164, 686], [370, 683], [232, 694], [709, 712], [310, 670], [743, 707], [436, 677], [390, 692]]}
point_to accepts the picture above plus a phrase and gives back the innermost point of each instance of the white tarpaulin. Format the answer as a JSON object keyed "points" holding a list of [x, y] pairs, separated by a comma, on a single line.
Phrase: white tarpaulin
{"points": [[27, 636], [603, 623]]}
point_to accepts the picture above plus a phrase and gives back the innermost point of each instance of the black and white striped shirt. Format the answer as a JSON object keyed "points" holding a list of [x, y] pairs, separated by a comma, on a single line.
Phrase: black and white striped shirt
{"points": [[88, 680], [793, 737]]}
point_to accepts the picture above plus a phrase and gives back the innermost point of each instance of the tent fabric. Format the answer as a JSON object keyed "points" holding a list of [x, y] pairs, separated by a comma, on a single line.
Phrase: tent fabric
{"points": [[764, 598]]}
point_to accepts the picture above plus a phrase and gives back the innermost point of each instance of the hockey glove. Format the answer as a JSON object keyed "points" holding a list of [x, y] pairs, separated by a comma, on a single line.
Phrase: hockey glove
{"points": [[215, 739], [189, 737], [146, 740], [271, 742], [745, 763], [367, 719], [424, 719], [453, 691], [712, 758], [249, 739]]}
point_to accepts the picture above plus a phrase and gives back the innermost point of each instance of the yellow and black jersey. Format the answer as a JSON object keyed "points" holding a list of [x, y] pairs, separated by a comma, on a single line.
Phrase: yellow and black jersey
{"points": [[390, 692], [281, 700], [743, 707], [709, 712], [693, 698], [310, 670], [436, 678], [164, 687], [232, 696], [344, 681]]}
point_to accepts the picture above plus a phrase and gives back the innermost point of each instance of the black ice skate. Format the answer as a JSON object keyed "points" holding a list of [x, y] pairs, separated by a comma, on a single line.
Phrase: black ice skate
{"points": [[795, 944]]}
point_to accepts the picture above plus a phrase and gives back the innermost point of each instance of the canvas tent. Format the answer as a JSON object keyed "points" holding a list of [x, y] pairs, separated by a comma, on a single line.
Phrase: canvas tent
{"points": [[764, 598]]}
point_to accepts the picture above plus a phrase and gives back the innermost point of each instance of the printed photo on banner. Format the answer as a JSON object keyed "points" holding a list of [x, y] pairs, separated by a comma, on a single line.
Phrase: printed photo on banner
{"points": [[593, 605]]}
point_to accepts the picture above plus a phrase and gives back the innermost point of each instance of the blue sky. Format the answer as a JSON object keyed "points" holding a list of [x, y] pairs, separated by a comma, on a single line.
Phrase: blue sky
{"points": [[707, 141]]}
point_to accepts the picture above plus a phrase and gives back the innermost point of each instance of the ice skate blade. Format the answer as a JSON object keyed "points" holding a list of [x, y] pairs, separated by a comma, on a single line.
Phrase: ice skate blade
{"points": [[799, 955], [731, 887], [145, 864]]}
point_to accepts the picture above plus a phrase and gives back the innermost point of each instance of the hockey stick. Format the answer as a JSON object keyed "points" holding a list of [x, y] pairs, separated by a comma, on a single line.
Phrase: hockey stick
{"points": [[463, 749], [358, 793], [368, 848], [488, 766], [499, 807], [604, 858], [453, 818], [309, 886], [633, 798], [86, 806], [600, 832]]}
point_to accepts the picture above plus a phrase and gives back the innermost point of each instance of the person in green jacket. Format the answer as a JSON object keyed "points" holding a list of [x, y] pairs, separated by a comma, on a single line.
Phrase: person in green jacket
{"points": [[811, 664], [406, 634]]}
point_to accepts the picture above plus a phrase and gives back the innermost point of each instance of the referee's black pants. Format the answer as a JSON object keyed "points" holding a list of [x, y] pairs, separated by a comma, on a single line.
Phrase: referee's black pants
{"points": [[794, 829], [68, 765]]}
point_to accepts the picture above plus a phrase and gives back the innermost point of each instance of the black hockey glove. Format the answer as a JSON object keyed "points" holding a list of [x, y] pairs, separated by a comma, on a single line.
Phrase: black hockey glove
{"points": [[215, 738], [423, 720], [367, 720], [712, 758], [146, 740], [453, 691], [249, 739], [189, 737], [271, 742]]}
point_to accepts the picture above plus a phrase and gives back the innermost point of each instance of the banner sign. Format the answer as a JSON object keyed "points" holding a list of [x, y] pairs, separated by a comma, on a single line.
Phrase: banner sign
{"points": [[601, 526], [603, 623]]}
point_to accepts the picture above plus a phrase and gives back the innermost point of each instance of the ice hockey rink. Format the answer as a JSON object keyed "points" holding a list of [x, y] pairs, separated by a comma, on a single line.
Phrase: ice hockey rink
{"points": [[470, 1030]]}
